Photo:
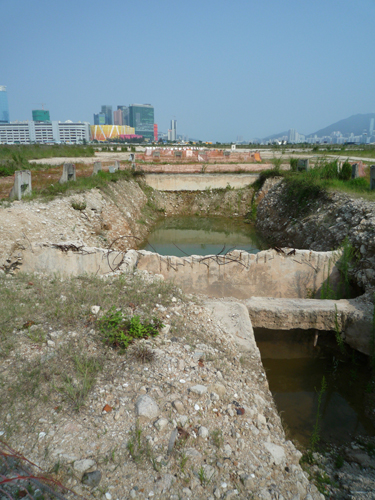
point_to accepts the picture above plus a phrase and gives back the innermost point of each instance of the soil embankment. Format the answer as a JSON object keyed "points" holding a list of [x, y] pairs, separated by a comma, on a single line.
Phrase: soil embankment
{"points": [[322, 226]]}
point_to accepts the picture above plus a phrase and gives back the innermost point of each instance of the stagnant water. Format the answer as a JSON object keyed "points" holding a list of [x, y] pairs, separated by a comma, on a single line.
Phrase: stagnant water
{"points": [[202, 236], [295, 370], [294, 367]]}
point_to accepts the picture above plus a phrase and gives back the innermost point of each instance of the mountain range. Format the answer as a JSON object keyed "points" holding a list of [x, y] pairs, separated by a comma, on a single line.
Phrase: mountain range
{"points": [[355, 124]]}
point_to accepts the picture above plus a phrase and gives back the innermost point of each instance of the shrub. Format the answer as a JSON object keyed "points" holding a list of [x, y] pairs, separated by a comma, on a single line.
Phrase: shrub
{"points": [[293, 164], [346, 171]]}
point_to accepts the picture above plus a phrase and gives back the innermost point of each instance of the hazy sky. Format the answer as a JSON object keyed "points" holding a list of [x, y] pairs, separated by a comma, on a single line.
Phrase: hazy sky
{"points": [[222, 68]]}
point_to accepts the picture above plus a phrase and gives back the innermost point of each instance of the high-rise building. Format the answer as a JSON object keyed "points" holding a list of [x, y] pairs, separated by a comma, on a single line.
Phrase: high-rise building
{"points": [[173, 130], [117, 117], [41, 115], [292, 135], [125, 114], [141, 117], [371, 130], [99, 119], [4, 108], [107, 110]]}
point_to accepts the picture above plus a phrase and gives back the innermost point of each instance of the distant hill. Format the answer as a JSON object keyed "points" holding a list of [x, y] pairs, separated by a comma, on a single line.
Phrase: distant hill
{"points": [[356, 124]]}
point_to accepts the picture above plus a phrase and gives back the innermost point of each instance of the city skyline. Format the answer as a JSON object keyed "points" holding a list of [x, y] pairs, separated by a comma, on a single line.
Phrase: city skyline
{"points": [[246, 70]]}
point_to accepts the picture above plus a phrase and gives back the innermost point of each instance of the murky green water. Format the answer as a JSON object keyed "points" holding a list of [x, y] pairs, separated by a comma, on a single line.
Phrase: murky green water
{"points": [[295, 370], [202, 236]]}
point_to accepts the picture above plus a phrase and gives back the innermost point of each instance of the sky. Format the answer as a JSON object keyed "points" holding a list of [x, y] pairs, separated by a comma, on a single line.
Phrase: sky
{"points": [[222, 69]]}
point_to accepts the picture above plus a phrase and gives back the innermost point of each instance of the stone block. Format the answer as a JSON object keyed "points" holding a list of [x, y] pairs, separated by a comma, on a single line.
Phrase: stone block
{"points": [[22, 184], [303, 164], [117, 165], [97, 168], [355, 173], [372, 177], [69, 173]]}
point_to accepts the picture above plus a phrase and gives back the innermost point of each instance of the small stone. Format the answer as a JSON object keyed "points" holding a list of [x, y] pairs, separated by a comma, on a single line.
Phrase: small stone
{"points": [[219, 389], [198, 389], [177, 404], [146, 407], [42, 435], [133, 493], [203, 432], [172, 441], [214, 396], [107, 409], [187, 492], [83, 465], [231, 494], [247, 481], [193, 453], [196, 407], [95, 309], [165, 329], [51, 343], [276, 451], [108, 496], [161, 424], [182, 420], [92, 479], [217, 493], [209, 472], [227, 450], [261, 419]]}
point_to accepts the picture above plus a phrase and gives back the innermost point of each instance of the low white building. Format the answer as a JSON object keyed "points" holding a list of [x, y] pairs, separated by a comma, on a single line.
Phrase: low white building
{"points": [[44, 132]]}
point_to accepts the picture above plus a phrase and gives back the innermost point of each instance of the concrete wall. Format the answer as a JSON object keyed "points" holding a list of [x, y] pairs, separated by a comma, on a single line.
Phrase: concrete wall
{"points": [[198, 182], [74, 259], [242, 275]]}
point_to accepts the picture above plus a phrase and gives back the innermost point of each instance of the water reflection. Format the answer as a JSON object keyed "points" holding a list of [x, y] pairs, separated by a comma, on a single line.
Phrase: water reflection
{"points": [[202, 236]]}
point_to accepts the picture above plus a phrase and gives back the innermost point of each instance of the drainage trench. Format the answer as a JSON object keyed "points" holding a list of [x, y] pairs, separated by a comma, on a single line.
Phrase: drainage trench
{"points": [[295, 359]]}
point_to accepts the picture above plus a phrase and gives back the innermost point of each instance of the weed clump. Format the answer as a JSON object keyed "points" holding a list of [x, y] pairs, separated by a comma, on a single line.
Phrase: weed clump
{"points": [[142, 353], [119, 331]]}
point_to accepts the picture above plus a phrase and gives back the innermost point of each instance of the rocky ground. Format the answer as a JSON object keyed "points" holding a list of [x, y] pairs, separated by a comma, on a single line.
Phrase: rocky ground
{"points": [[198, 421]]}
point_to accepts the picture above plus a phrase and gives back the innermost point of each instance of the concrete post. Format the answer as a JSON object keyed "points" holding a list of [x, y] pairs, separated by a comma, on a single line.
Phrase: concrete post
{"points": [[303, 164], [117, 165], [355, 171], [69, 173], [372, 177], [111, 169], [132, 157], [97, 168], [22, 184]]}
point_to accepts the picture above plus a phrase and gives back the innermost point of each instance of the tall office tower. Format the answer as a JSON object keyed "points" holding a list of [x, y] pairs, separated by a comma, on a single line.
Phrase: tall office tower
{"points": [[107, 110], [125, 114], [371, 127], [141, 117], [173, 130], [4, 109], [99, 119], [292, 135], [117, 117]]}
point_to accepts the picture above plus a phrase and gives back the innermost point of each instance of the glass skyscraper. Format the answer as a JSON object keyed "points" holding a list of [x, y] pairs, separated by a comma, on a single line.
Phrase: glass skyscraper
{"points": [[4, 108], [141, 117]]}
